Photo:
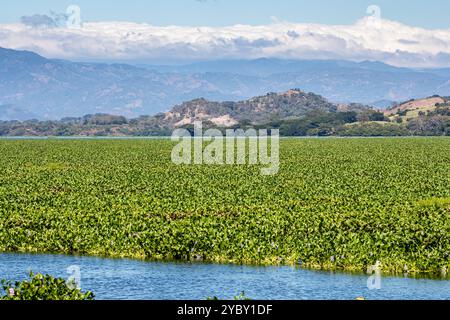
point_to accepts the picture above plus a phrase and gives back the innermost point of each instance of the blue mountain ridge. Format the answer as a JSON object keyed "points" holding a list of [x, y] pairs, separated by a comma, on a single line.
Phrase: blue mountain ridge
{"points": [[34, 86]]}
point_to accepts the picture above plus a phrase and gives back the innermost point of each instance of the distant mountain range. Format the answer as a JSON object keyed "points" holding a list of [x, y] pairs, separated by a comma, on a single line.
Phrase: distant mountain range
{"points": [[271, 109], [294, 113], [32, 86]]}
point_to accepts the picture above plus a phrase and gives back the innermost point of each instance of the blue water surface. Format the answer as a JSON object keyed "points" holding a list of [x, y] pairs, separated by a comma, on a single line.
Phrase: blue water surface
{"points": [[142, 280]]}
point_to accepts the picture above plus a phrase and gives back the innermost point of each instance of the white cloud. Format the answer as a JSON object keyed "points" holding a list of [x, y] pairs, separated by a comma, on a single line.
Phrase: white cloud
{"points": [[368, 39]]}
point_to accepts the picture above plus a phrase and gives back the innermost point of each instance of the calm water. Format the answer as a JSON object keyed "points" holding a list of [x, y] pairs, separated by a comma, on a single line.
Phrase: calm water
{"points": [[130, 279]]}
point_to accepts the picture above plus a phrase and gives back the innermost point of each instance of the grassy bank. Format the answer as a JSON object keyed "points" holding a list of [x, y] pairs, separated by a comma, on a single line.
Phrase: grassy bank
{"points": [[335, 203]]}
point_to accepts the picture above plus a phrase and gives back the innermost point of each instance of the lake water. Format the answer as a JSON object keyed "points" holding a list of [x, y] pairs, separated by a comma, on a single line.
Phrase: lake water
{"points": [[138, 280]]}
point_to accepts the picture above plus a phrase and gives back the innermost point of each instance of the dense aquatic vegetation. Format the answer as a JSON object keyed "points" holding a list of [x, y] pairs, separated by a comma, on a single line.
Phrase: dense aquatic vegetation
{"points": [[42, 287], [335, 203]]}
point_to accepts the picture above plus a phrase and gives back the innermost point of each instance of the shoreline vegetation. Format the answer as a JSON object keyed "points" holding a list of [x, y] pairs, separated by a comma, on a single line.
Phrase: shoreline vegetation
{"points": [[441, 274], [294, 113], [42, 287], [315, 124], [335, 204]]}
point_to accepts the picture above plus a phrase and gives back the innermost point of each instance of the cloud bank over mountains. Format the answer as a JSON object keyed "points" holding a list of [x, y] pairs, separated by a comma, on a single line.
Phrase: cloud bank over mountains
{"points": [[370, 38]]}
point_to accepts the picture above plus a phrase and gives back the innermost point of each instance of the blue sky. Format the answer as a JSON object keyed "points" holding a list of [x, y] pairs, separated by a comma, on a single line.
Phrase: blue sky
{"points": [[427, 14]]}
